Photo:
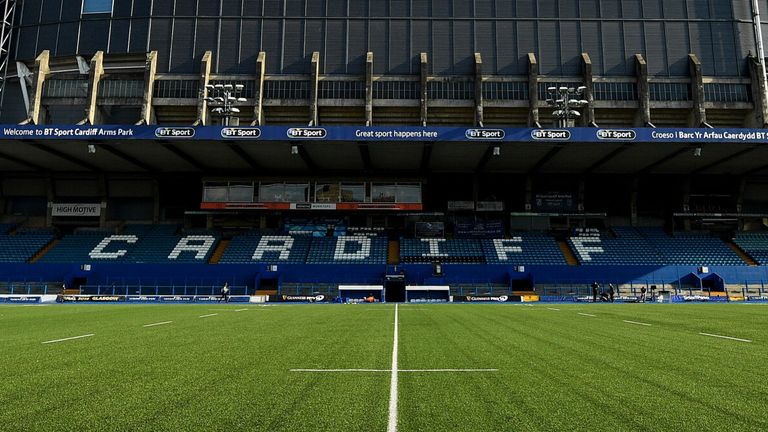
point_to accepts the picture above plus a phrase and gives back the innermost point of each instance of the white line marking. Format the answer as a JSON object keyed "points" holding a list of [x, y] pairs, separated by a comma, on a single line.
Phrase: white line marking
{"points": [[390, 370], [67, 339], [448, 370], [206, 316], [392, 425], [157, 324], [240, 310], [725, 337], [586, 314], [554, 309], [637, 323], [341, 370]]}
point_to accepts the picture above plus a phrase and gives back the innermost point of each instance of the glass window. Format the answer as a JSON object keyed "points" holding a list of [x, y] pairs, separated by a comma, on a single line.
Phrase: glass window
{"points": [[383, 193], [296, 192], [215, 192], [409, 193], [353, 192], [241, 192], [97, 6]]}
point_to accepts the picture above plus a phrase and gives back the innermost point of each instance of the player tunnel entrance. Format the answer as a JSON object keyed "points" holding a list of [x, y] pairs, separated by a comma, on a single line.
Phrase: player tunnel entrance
{"points": [[394, 289]]}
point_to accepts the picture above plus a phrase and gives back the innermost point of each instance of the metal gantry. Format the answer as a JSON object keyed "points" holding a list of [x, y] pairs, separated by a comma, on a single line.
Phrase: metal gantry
{"points": [[6, 33]]}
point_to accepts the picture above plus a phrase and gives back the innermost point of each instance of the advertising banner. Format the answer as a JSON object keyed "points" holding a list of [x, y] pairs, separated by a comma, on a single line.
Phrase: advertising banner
{"points": [[75, 210], [91, 298], [492, 299], [19, 299], [298, 298], [380, 133]]}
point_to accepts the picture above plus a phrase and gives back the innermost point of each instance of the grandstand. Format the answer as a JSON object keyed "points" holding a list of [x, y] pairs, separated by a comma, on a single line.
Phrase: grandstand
{"points": [[319, 143]]}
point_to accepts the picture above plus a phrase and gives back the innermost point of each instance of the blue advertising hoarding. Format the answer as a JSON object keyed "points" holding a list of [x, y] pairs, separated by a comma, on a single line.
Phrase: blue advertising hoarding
{"points": [[380, 133]]}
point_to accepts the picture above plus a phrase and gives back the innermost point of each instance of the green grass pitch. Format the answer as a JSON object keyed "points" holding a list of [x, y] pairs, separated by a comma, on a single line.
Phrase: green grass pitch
{"points": [[559, 367]]}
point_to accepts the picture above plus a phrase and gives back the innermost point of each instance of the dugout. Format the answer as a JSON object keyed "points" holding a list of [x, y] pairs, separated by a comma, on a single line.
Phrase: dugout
{"points": [[427, 294], [357, 293]]}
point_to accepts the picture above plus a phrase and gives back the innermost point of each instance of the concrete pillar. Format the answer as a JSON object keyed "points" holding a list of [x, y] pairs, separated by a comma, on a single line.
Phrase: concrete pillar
{"points": [[94, 78], [424, 95], [369, 89], [533, 91], [50, 191], [205, 78], [588, 113], [643, 115], [528, 193], [104, 194], [155, 201], [478, 90], [760, 111], [150, 69], [36, 115], [314, 117], [258, 108], [699, 114], [633, 202]]}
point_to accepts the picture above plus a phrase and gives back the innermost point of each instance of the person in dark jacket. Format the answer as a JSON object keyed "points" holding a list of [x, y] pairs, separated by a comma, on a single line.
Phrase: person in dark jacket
{"points": [[611, 291], [595, 288]]}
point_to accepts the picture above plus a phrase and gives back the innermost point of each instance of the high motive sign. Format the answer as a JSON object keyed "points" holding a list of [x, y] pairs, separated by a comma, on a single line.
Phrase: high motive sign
{"points": [[75, 210]]}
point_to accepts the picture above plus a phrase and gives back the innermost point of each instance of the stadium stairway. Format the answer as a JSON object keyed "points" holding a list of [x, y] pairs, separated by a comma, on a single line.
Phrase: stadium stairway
{"points": [[219, 252], [393, 252], [740, 252], [570, 258], [44, 250]]}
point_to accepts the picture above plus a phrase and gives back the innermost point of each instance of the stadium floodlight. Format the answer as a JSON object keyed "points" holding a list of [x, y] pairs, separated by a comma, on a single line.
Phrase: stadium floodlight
{"points": [[565, 100], [224, 95]]}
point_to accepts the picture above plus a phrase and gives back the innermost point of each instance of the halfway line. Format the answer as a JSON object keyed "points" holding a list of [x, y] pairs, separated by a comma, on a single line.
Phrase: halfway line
{"points": [[725, 337], [637, 323], [206, 316], [392, 425], [67, 339], [390, 370], [157, 324]]}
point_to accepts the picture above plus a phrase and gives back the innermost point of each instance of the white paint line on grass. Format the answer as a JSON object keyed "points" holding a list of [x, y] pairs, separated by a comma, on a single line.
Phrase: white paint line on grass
{"points": [[554, 309], [588, 315], [725, 337], [206, 316], [68, 339], [240, 310], [637, 323], [157, 324], [340, 370], [448, 370], [390, 370], [392, 425]]}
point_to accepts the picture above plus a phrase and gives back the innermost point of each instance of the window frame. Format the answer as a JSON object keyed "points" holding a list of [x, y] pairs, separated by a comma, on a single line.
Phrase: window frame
{"points": [[83, 12]]}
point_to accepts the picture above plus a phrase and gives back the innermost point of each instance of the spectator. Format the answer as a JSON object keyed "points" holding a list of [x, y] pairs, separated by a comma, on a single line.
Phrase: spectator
{"points": [[642, 295], [611, 291], [595, 287]]}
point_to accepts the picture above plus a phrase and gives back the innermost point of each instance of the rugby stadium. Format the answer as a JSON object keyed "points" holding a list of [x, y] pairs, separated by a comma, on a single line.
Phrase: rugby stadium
{"points": [[413, 215]]}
